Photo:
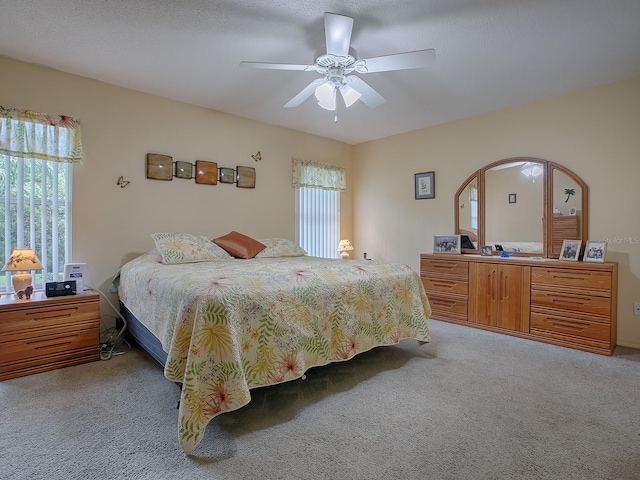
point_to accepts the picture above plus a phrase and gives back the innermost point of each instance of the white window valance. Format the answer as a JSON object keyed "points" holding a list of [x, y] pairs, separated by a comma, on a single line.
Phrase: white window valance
{"points": [[318, 175], [28, 134]]}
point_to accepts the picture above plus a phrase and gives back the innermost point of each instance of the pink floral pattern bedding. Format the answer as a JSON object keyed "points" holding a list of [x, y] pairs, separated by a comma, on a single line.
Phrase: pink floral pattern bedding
{"points": [[232, 325]]}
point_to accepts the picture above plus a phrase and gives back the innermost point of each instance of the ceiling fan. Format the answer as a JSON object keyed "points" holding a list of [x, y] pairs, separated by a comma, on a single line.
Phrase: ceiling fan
{"points": [[336, 63]]}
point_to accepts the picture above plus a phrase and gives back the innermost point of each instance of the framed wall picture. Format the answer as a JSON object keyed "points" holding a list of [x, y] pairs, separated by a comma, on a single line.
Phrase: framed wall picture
{"points": [[246, 177], [206, 172], [183, 170], [425, 185], [595, 251], [446, 244], [512, 198], [570, 250], [159, 167], [227, 175]]}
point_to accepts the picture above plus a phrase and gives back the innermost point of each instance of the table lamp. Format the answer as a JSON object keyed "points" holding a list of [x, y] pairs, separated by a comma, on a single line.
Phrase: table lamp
{"points": [[344, 247], [22, 261]]}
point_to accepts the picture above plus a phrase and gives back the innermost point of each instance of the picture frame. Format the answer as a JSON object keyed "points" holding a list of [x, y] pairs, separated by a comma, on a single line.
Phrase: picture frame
{"points": [[246, 177], [595, 251], [159, 167], [570, 250], [425, 185], [206, 172], [449, 244], [183, 170], [512, 198], [227, 175], [486, 251]]}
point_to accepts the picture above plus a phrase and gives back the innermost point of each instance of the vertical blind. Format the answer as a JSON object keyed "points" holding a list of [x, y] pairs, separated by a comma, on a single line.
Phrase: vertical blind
{"points": [[318, 188], [318, 221]]}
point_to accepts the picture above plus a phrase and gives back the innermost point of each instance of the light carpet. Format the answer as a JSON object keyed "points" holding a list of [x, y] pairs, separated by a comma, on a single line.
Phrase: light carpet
{"points": [[469, 405]]}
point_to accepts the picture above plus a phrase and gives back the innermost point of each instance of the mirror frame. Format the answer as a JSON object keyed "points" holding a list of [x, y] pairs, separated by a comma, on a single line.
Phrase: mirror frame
{"points": [[547, 230]]}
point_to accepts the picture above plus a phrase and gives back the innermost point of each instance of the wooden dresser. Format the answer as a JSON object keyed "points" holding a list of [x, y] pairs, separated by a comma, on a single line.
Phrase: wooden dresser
{"points": [[47, 333], [572, 304]]}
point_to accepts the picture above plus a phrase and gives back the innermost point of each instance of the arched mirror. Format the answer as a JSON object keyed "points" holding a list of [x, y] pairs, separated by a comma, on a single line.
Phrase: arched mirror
{"points": [[526, 206]]}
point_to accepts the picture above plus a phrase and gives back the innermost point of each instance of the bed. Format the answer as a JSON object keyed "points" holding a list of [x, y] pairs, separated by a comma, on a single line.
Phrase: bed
{"points": [[226, 325]]}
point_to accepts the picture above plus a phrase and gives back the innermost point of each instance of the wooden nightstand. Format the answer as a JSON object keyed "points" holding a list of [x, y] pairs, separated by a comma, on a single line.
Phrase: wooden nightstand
{"points": [[47, 333]]}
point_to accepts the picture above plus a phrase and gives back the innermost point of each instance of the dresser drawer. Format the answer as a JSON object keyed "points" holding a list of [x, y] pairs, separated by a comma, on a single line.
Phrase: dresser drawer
{"points": [[450, 307], [430, 266], [571, 302], [599, 281], [551, 325], [445, 285], [25, 321], [49, 345]]}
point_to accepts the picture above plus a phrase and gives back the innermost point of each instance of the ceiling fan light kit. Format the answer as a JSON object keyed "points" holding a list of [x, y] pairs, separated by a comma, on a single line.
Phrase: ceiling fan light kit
{"points": [[336, 63]]}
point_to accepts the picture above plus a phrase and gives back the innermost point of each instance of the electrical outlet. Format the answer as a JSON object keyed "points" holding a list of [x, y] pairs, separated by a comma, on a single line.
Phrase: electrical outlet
{"points": [[636, 308]]}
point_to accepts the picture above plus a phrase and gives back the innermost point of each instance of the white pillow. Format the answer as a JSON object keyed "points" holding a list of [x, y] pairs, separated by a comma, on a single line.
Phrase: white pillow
{"points": [[178, 248], [280, 247]]}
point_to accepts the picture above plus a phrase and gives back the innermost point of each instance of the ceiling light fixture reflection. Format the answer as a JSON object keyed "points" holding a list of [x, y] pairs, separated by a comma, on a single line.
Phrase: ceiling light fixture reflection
{"points": [[532, 170]]}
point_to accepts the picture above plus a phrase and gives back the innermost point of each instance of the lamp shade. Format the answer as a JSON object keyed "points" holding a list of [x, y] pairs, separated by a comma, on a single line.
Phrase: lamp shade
{"points": [[343, 247], [21, 261]]}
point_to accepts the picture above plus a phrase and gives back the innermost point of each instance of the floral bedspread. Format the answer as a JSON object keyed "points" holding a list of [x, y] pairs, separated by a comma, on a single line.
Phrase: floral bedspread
{"points": [[232, 325]]}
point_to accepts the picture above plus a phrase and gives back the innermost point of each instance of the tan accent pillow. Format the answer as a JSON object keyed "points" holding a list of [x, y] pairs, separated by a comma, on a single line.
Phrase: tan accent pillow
{"points": [[239, 245]]}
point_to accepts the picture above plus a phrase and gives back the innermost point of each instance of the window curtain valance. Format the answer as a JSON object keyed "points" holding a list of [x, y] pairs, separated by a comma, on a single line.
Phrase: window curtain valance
{"points": [[318, 175], [28, 134]]}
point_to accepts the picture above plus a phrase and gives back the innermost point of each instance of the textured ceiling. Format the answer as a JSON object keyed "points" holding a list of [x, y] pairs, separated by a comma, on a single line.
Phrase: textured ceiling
{"points": [[490, 54]]}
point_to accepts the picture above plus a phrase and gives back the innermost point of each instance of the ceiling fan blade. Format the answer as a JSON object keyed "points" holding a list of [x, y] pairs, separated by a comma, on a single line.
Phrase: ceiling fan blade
{"points": [[369, 96], [305, 93], [398, 61], [337, 32], [278, 66]]}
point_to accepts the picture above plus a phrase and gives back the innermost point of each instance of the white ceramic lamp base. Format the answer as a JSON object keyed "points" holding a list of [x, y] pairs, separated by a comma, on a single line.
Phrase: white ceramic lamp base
{"points": [[20, 281]]}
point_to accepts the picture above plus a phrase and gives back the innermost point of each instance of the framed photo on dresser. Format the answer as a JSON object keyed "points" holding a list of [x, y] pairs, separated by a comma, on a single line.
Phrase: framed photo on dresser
{"points": [[446, 244], [595, 251], [570, 250]]}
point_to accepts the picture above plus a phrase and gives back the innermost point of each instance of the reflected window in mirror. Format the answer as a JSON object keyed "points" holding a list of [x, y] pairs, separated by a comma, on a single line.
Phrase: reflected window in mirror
{"points": [[468, 213]]}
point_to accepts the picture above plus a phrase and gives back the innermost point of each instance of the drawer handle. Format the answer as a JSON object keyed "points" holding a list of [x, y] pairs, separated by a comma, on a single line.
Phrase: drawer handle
{"points": [[52, 342], [570, 301], [571, 276], [443, 266], [442, 283], [571, 326], [444, 303]]}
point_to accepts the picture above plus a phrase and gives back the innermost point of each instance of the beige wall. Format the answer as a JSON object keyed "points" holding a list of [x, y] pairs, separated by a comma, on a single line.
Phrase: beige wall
{"points": [[120, 126], [595, 133]]}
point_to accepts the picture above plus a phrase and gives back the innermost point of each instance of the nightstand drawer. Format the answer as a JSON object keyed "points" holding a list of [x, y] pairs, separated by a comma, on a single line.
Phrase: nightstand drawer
{"points": [[25, 320], [49, 345]]}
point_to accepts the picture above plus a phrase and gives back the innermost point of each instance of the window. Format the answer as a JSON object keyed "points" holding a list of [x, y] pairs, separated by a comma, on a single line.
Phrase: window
{"points": [[37, 152], [318, 188]]}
